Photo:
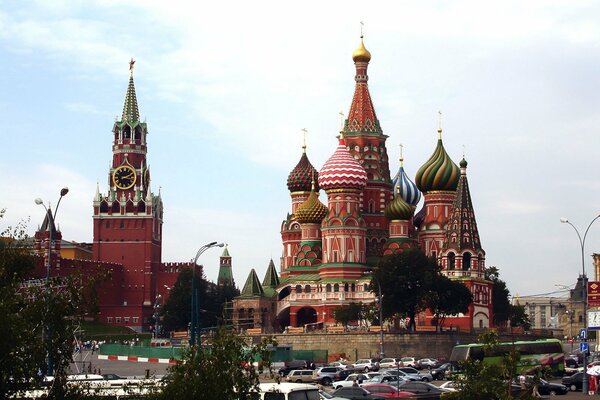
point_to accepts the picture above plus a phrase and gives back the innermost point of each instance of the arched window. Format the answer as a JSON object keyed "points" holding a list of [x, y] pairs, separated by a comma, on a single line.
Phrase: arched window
{"points": [[353, 288], [298, 289], [328, 288], [451, 261], [466, 262], [336, 287], [307, 289], [346, 287]]}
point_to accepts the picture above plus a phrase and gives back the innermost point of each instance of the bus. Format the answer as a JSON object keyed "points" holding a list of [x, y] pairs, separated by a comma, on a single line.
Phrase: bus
{"points": [[535, 354]]}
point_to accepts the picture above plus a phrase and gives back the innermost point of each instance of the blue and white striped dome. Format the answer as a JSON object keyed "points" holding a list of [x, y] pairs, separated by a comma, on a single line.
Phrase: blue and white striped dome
{"points": [[406, 188]]}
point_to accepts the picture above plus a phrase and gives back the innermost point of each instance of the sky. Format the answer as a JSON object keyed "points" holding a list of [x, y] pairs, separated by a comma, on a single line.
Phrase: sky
{"points": [[227, 87]]}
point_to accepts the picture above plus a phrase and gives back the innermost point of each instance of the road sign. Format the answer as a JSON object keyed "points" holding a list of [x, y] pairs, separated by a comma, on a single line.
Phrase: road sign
{"points": [[583, 347], [583, 334]]}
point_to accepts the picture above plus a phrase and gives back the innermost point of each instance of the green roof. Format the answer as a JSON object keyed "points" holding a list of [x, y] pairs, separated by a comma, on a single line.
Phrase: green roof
{"points": [[225, 252], [130, 108], [271, 277], [252, 288]]}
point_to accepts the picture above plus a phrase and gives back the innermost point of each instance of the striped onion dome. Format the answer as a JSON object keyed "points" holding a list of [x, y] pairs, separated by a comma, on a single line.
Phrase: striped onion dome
{"points": [[406, 188], [439, 172], [299, 180], [311, 211], [398, 209], [342, 171]]}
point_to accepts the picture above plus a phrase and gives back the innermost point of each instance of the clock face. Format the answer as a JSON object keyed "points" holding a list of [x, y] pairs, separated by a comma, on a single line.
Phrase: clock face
{"points": [[124, 177]]}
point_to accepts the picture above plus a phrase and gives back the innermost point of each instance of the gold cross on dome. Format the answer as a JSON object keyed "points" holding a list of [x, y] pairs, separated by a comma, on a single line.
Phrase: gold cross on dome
{"points": [[131, 62]]}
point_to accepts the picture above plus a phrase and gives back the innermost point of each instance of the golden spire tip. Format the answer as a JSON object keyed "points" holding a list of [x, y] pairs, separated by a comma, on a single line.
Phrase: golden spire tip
{"points": [[439, 124], [131, 62], [304, 143]]}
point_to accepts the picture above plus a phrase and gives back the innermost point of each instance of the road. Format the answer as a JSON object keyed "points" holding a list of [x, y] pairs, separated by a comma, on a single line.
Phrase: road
{"points": [[127, 369]]}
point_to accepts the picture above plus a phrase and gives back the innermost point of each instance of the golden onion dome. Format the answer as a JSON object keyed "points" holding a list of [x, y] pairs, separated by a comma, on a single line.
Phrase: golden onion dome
{"points": [[361, 54], [311, 211]]}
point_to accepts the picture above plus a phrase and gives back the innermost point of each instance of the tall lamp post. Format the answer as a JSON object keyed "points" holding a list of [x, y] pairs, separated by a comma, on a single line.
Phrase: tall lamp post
{"points": [[584, 294], [380, 298], [194, 320], [51, 219]]}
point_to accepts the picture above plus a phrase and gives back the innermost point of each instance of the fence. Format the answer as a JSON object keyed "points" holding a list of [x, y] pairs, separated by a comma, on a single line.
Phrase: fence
{"points": [[140, 351]]}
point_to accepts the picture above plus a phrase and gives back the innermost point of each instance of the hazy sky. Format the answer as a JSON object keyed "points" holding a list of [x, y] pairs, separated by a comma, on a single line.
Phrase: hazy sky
{"points": [[226, 88]]}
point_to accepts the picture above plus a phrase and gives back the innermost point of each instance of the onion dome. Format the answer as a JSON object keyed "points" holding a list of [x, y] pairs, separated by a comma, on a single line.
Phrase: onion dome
{"points": [[398, 209], [342, 171], [299, 180], [439, 172], [311, 211], [404, 187], [361, 54], [463, 163]]}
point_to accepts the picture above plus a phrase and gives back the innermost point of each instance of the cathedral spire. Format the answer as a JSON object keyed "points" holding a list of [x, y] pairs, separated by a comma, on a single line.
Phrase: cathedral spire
{"points": [[130, 108], [362, 118]]}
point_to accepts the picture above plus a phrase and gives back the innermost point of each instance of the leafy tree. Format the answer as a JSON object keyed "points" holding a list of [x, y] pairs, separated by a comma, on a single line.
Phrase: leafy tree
{"points": [[36, 319], [500, 296], [406, 279], [223, 370], [447, 297], [351, 312], [518, 317], [176, 313]]}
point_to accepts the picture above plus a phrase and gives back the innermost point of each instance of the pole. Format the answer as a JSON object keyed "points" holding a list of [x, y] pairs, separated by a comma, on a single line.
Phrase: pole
{"points": [[585, 386], [194, 328], [51, 219], [381, 344]]}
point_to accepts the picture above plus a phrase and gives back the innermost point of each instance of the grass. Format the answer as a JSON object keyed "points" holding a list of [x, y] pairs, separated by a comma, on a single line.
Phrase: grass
{"points": [[93, 330]]}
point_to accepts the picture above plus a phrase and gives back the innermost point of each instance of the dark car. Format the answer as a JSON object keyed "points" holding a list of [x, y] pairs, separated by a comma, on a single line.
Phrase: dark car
{"points": [[343, 374], [551, 389], [291, 366], [422, 390], [444, 371], [573, 382], [356, 393]]}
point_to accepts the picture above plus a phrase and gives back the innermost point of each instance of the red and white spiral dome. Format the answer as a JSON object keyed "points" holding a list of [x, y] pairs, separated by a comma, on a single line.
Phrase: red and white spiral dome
{"points": [[342, 171]]}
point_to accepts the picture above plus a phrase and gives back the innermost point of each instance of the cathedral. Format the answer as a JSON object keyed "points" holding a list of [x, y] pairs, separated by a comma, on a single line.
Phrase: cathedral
{"points": [[330, 250]]}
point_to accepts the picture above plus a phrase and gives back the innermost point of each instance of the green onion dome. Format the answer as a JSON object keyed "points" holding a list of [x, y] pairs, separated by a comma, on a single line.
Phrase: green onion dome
{"points": [[439, 172], [398, 209], [311, 211]]}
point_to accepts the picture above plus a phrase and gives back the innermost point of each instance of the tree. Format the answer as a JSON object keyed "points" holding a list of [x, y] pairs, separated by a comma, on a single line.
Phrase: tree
{"points": [[406, 279], [500, 296], [519, 317], [223, 370], [447, 297], [349, 312], [37, 318], [176, 313]]}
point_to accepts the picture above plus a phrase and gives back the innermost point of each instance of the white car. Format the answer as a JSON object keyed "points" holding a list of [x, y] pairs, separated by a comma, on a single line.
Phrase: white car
{"points": [[389, 362], [366, 365], [449, 386], [350, 380], [338, 364], [409, 362]]}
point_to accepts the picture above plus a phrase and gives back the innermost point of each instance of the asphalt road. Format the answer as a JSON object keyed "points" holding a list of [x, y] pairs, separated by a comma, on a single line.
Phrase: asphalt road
{"points": [[127, 369]]}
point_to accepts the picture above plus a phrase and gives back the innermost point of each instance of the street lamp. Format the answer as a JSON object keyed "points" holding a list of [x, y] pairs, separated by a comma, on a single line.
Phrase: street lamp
{"points": [[584, 294], [194, 322], [380, 301], [51, 219], [156, 315]]}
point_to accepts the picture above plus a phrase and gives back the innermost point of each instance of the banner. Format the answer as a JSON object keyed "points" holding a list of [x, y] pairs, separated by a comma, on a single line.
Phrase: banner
{"points": [[593, 294]]}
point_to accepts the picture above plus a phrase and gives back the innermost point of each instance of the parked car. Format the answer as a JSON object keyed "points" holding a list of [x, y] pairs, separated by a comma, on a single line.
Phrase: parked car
{"points": [[573, 382], [551, 389], [325, 375], [350, 380], [339, 364], [323, 395], [423, 390], [288, 391], [409, 362], [384, 378], [366, 365], [401, 375], [444, 371], [291, 366], [356, 393], [428, 363], [411, 374], [300, 376], [449, 386], [389, 362], [343, 374], [385, 390]]}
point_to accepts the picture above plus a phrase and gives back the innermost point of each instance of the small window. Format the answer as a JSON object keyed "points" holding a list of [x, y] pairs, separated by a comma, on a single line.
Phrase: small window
{"points": [[118, 320]]}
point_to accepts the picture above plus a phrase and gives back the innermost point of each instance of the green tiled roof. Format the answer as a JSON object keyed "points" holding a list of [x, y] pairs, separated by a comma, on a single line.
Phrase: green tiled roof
{"points": [[252, 288], [300, 278], [130, 108], [271, 278], [225, 252]]}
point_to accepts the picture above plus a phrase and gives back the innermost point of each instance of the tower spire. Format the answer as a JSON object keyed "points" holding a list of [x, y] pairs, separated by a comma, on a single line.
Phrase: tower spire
{"points": [[131, 112], [304, 143], [401, 155], [439, 125]]}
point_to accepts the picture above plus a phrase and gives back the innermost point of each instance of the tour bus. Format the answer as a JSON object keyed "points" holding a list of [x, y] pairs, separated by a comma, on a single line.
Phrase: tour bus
{"points": [[534, 354]]}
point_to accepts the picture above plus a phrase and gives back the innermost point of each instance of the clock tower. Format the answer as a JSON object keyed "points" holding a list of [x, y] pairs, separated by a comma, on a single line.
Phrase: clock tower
{"points": [[128, 217]]}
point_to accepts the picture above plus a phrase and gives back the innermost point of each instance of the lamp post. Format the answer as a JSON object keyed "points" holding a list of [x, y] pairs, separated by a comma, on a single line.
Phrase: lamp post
{"points": [[156, 315], [584, 294], [51, 219], [194, 318]]}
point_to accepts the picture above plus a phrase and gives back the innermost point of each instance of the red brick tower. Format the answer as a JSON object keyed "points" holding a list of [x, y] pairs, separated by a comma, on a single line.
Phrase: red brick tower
{"points": [[366, 142], [128, 219]]}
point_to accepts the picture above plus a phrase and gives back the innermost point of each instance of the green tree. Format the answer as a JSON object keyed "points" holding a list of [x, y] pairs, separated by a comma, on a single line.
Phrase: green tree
{"points": [[447, 297], [37, 319], [406, 279], [519, 317], [222, 370], [176, 312], [347, 313], [500, 296]]}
